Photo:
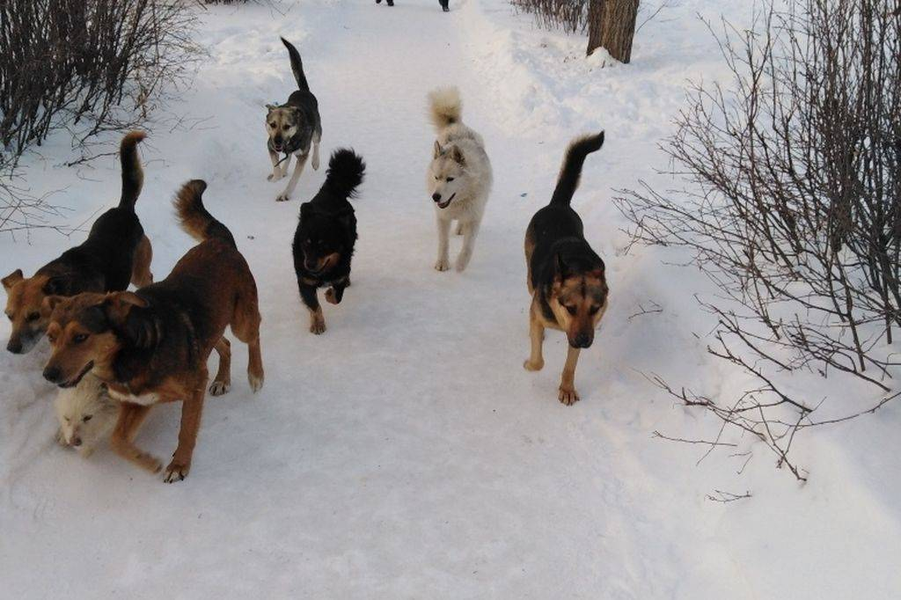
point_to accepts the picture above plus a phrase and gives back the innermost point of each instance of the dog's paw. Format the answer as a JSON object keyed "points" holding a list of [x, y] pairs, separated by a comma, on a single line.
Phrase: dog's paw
{"points": [[256, 382], [533, 366], [317, 326], [148, 462], [176, 472], [217, 388], [330, 296], [275, 175], [315, 161], [442, 264], [568, 395], [282, 197], [461, 265]]}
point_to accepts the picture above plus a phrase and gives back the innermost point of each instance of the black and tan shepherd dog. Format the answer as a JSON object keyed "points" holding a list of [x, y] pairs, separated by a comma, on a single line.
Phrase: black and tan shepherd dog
{"points": [[326, 234], [152, 345], [566, 277], [116, 252]]}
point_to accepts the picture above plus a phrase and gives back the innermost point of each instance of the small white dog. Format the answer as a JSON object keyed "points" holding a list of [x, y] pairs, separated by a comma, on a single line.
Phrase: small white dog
{"points": [[86, 415], [459, 177]]}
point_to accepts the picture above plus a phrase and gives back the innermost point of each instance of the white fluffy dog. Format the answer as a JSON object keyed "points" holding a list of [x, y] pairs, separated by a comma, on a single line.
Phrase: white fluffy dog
{"points": [[86, 415], [459, 177]]}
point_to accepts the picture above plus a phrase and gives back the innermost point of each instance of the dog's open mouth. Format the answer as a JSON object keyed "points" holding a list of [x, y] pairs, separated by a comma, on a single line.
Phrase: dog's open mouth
{"points": [[443, 205], [77, 379]]}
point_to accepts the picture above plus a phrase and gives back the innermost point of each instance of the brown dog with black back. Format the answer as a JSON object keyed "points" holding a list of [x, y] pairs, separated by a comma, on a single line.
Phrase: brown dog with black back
{"points": [[565, 276], [152, 346], [116, 252]]}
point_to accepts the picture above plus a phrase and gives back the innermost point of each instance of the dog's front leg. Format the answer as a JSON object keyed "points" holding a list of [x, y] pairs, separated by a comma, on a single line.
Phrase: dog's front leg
{"points": [[536, 335], [470, 231], [335, 293], [122, 439], [191, 409], [568, 394], [315, 161], [278, 171], [311, 300], [443, 262], [292, 183]]}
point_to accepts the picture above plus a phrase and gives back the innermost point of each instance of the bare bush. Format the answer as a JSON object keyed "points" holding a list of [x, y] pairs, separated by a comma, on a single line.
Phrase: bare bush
{"points": [[792, 206], [571, 15], [87, 65]]}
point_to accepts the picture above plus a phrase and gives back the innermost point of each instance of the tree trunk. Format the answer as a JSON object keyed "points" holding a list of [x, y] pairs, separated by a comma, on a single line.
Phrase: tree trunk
{"points": [[611, 24]]}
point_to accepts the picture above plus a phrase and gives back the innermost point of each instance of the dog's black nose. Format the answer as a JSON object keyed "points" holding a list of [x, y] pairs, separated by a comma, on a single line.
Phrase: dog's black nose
{"points": [[436, 197], [14, 346], [52, 374], [583, 340], [76, 442]]}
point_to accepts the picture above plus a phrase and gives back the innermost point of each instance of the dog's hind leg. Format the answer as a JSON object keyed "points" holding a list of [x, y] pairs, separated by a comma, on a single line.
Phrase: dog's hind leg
{"points": [[191, 409], [292, 183], [122, 439], [469, 241], [246, 327], [223, 380], [460, 228], [568, 394], [140, 270], [443, 262], [536, 335]]}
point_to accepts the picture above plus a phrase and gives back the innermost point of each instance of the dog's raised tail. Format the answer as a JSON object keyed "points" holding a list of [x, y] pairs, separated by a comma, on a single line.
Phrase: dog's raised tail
{"points": [[571, 171], [296, 66], [345, 172], [445, 107], [194, 217], [132, 173]]}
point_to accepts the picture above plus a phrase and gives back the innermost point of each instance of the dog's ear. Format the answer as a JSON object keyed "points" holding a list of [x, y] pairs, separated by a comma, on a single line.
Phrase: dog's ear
{"points": [[125, 311], [59, 286], [457, 155], [49, 303], [560, 270], [12, 279], [437, 150], [271, 107]]}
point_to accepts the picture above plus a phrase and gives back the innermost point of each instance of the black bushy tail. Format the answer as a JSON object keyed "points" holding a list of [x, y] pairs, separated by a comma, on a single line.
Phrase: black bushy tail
{"points": [[345, 173], [132, 173], [194, 217], [571, 170], [297, 66]]}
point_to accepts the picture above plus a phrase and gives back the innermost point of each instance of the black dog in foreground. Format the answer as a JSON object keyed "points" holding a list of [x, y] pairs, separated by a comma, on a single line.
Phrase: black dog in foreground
{"points": [[566, 277], [326, 234]]}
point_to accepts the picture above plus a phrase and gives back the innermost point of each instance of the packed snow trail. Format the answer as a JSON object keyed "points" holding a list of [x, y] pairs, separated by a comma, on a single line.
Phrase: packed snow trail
{"points": [[405, 453]]}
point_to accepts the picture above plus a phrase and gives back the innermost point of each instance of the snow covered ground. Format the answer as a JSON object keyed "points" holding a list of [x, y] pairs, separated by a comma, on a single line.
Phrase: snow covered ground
{"points": [[406, 453]]}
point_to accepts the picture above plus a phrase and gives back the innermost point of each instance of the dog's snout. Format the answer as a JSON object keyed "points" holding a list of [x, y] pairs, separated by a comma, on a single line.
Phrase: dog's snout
{"points": [[582, 340], [76, 441], [436, 197], [52, 374], [14, 346]]}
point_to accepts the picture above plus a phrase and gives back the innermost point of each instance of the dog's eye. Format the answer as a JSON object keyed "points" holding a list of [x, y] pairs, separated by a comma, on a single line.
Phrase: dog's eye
{"points": [[272, 125], [79, 338], [571, 310], [67, 419], [32, 317], [87, 418], [437, 178], [594, 310], [286, 127], [449, 179]]}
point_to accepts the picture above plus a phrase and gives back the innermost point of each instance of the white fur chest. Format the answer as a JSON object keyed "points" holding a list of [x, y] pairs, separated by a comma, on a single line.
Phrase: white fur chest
{"points": [[144, 400]]}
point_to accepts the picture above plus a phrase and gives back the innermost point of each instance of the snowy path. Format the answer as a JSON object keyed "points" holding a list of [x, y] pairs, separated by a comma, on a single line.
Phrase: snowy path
{"points": [[405, 453]]}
